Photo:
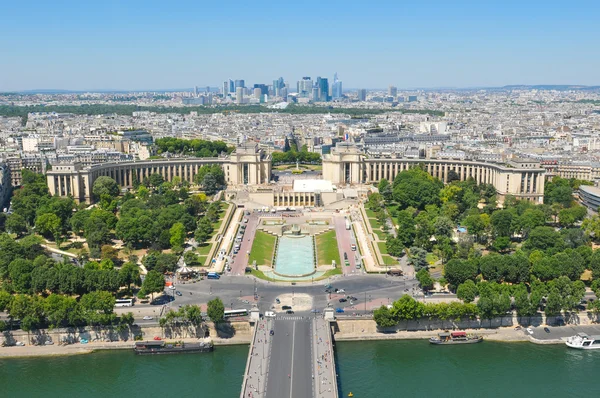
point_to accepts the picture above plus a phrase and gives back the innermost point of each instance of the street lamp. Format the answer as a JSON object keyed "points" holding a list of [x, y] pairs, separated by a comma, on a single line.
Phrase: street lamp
{"points": [[232, 305]]}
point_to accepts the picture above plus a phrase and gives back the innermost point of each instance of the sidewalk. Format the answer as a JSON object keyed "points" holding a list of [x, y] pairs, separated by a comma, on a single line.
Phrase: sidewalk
{"points": [[324, 376], [255, 378]]}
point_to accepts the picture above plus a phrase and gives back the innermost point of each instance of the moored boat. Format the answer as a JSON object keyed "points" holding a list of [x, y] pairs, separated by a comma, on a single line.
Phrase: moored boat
{"points": [[582, 341], [163, 347], [455, 338]]}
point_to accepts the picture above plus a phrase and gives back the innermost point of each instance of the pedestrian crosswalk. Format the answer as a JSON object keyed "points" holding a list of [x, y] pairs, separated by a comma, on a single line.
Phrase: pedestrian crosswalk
{"points": [[291, 317]]}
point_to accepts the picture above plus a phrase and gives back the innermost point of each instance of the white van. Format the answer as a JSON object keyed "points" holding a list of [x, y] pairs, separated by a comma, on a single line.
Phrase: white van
{"points": [[269, 314]]}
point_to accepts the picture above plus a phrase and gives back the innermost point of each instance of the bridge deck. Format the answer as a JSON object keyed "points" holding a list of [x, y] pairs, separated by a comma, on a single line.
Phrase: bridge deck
{"points": [[295, 362]]}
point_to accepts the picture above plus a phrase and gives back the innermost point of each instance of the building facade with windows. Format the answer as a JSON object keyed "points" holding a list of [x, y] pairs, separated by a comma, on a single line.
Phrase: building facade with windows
{"points": [[346, 164], [247, 165]]}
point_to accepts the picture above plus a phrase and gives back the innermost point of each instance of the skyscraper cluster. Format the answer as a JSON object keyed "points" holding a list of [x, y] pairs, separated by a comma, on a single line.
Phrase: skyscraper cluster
{"points": [[318, 90]]}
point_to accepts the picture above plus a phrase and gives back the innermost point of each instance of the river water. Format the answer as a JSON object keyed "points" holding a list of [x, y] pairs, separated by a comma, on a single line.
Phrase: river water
{"points": [[378, 369]]}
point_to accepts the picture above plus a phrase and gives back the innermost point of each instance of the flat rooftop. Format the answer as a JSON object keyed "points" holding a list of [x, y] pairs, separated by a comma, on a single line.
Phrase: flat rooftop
{"points": [[312, 186]]}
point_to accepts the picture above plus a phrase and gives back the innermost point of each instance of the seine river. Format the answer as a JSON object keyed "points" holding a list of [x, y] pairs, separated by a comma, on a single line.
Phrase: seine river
{"points": [[367, 369]]}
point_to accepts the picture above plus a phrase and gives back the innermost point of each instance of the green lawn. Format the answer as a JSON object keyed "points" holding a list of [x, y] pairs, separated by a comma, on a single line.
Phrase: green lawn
{"points": [[327, 248], [203, 249], [370, 213], [374, 223], [331, 272], [201, 260], [262, 248], [387, 260], [382, 247], [380, 234], [431, 258]]}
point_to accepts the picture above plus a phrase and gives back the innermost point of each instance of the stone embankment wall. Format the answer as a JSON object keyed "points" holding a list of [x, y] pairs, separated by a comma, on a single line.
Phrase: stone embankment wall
{"points": [[353, 326], [234, 332]]}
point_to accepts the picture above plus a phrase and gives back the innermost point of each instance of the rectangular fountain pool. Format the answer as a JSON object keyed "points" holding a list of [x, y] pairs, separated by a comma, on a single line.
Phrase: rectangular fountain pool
{"points": [[295, 256]]}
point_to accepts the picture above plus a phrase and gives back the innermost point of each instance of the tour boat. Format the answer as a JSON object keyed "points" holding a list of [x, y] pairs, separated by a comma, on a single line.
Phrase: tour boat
{"points": [[455, 338], [582, 341], [162, 347]]}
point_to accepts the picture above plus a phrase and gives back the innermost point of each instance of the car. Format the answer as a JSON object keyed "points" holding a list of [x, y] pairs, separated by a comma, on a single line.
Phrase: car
{"points": [[341, 291], [345, 256], [315, 311], [270, 314], [328, 286], [353, 247], [343, 300], [546, 330], [272, 332], [245, 221], [48, 342], [336, 290], [530, 330], [20, 344], [248, 270], [286, 307], [157, 338], [148, 318], [277, 300], [339, 310], [289, 312], [171, 287], [328, 290], [178, 293]]}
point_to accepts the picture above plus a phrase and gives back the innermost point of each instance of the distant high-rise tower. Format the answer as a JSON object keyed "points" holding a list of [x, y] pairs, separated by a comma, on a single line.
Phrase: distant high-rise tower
{"points": [[362, 94], [336, 87], [231, 86], [315, 94], [392, 91], [195, 91], [225, 88], [323, 87], [207, 89], [239, 95], [305, 87], [240, 83]]}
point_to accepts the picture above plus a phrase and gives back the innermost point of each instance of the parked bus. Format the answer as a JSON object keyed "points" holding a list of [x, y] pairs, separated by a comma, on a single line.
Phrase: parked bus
{"points": [[347, 224], [213, 275], [234, 313], [124, 303]]}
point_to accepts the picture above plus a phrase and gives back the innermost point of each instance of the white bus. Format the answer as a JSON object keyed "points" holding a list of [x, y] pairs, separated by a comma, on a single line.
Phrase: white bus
{"points": [[235, 313], [124, 303]]}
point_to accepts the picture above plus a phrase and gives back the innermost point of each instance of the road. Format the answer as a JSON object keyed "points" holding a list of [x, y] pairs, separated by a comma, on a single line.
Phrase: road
{"points": [[345, 239], [290, 366]]}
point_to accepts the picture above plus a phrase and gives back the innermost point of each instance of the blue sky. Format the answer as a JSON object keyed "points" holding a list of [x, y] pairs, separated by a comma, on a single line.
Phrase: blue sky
{"points": [[132, 44]]}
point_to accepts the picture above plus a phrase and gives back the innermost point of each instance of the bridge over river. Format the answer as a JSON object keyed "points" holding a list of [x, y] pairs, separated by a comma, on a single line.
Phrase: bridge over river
{"points": [[297, 361]]}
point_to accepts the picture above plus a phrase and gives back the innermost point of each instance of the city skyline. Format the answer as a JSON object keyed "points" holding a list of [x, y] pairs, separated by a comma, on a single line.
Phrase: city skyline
{"points": [[141, 46]]}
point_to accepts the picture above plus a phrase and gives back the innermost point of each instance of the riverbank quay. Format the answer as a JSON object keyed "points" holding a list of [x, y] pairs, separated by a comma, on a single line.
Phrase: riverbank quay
{"points": [[227, 333]]}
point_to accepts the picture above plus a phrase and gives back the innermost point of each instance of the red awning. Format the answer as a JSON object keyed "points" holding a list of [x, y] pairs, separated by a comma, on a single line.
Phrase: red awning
{"points": [[459, 334]]}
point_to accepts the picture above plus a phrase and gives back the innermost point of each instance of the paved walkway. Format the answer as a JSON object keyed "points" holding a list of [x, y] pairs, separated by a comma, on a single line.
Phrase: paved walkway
{"points": [[255, 378], [325, 382]]}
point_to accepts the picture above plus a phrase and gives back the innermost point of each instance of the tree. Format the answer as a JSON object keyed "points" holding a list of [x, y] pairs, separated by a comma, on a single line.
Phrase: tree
{"points": [[155, 180], [216, 310], [204, 231], [177, 232], [501, 222], [406, 228], [154, 282], [416, 188], [104, 185], [425, 279], [193, 314], [385, 189], [16, 224], [543, 238], [407, 308], [501, 244], [384, 318], [129, 274], [418, 258], [457, 272], [467, 291], [443, 227], [452, 176]]}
